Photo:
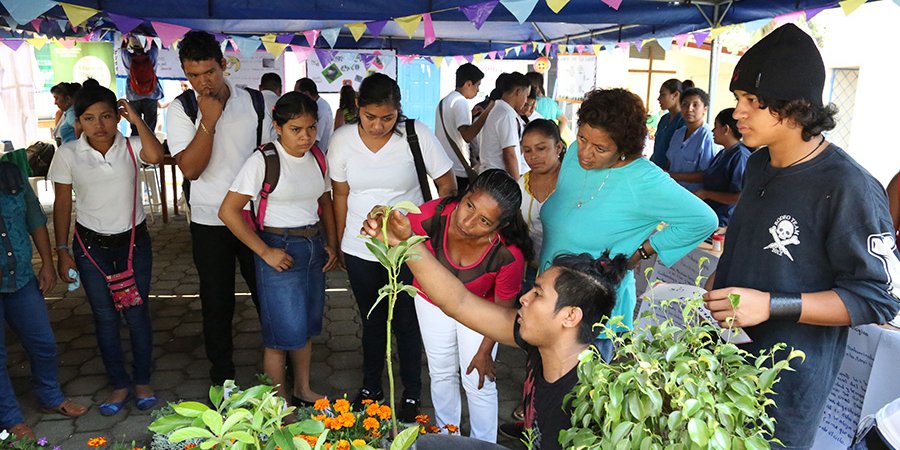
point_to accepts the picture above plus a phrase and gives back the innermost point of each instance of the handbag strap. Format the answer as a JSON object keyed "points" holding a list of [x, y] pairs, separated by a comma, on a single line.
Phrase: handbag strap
{"points": [[133, 217], [468, 168], [413, 139]]}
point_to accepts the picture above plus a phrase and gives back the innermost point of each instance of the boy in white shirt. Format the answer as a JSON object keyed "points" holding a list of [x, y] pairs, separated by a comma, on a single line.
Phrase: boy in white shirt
{"points": [[502, 132]]}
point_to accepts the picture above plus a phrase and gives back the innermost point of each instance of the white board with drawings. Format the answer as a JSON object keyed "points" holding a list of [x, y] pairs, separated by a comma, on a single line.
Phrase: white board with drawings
{"points": [[580, 76], [348, 67], [240, 69]]}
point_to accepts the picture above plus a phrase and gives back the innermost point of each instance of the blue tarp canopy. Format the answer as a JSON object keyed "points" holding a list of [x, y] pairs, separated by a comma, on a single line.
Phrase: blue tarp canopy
{"points": [[579, 22]]}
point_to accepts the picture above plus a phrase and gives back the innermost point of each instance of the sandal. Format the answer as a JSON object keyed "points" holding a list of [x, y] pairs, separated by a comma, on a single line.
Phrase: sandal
{"points": [[145, 403], [113, 408], [67, 408], [22, 431]]}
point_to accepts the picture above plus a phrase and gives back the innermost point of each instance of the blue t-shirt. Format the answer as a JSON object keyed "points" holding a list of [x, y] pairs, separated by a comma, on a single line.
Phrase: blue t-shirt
{"points": [[65, 131], [691, 155], [21, 214], [664, 131], [620, 215], [548, 108], [726, 174]]}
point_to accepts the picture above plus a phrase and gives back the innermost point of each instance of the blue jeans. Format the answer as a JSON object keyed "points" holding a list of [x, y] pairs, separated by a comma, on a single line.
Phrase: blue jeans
{"points": [[291, 303], [26, 313], [106, 319]]}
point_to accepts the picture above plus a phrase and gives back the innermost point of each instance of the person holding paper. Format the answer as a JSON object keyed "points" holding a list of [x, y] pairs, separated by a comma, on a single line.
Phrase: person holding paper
{"points": [[810, 248]]}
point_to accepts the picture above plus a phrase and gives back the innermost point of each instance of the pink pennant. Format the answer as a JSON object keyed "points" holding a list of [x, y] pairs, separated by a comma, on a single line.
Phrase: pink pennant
{"points": [[700, 37], [302, 53], [680, 39], [614, 4], [579, 48], [67, 43], [311, 37], [13, 44], [429, 29], [36, 23], [87, 37], [524, 47], [168, 33], [492, 54], [788, 18], [624, 45]]}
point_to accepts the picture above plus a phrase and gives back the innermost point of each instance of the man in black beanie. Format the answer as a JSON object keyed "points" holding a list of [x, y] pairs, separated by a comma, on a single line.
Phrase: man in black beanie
{"points": [[810, 248]]}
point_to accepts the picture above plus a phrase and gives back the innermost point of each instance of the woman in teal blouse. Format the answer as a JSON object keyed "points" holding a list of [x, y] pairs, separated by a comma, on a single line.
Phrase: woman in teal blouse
{"points": [[610, 198]]}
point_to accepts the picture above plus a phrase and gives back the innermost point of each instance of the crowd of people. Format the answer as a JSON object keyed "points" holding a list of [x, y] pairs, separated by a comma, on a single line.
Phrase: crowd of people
{"points": [[530, 243]]}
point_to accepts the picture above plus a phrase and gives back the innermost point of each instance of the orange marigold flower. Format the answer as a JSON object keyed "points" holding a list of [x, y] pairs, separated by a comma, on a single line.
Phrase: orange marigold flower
{"points": [[422, 419], [371, 423], [348, 419], [372, 409], [343, 444], [358, 443], [434, 429], [327, 446], [451, 428], [333, 423], [376, 434], [190, 446], [384, 412], [97, 442], [320, 417], [321, 404], [422, 430], [367, 401], [341, 406]]}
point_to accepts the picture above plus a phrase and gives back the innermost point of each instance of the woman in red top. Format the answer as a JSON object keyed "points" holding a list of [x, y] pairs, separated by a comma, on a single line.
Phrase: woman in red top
{"points": [[482, 238]]}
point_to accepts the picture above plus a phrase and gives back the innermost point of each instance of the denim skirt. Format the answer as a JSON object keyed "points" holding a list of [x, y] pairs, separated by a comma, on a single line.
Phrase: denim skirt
{"points": [[291, 302]]}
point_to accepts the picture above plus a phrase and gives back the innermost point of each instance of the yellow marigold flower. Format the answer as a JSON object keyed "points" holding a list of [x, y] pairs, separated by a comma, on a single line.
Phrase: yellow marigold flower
{"points": [[343, 444], [97, 442], [422, 419], [372, 409], [341, 406], [384, 412], [327, 446], [358, 443], [371, 423], [321, 404], [451, 428], [368, 401], [333, 423], [434, 429], [422, 430]]}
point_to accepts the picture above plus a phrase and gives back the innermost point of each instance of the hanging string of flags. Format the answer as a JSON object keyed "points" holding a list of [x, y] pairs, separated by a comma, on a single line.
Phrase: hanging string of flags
{"points": [[29, 12]]}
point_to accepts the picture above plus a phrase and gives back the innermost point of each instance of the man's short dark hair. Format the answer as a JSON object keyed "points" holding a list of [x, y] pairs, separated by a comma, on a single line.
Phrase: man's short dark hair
{"points": [[513, 81], [589, 284], [199, 46], [468, 72], [306, 86], [270, 81], [696, 92]]}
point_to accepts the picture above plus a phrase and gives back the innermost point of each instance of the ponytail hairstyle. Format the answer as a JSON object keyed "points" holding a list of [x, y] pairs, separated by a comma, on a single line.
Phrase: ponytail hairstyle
{"points": [[506, 192], [380, 89], [674, 85], [726, 118], [589, 284], [65, 89], [91, 92]]}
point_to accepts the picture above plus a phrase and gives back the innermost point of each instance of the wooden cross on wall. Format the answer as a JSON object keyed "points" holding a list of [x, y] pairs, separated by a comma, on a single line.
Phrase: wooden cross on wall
{"points": [[649, 71]]}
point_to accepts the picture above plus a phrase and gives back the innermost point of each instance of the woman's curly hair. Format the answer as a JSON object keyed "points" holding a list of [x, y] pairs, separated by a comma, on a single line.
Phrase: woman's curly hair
{"points": [[621, 114]]}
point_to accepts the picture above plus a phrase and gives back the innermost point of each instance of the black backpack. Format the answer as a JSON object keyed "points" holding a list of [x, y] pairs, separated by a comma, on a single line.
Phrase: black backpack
{"points": [[40, 154]]}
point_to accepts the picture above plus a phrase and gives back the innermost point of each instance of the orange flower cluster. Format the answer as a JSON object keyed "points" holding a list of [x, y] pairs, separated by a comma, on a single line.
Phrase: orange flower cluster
{"points": [[434, 429], [452, 428], [311, 440], [371, 423], [383, 412], [190, 446], [422, 419], [321, 404], [358, 443], [343, 444], [345, 420], [341, 406], [97, 442]]}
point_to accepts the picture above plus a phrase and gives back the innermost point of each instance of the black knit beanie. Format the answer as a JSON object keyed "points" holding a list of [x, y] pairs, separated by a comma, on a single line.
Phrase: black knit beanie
{"points": [[785, 65]]}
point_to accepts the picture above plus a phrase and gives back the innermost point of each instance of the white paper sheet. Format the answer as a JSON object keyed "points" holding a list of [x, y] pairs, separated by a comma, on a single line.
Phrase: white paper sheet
{"points": [[668, 291]]}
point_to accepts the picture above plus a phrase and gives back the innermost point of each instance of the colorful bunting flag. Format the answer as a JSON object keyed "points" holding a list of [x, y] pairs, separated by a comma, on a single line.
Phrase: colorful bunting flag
{"points": [[429, 30], [570, 48], [13, 44], [275, 48], [614, 4], [366, 59], [36, 24], [311, 37], [409, 23], [24, 11], [597, 48], [357, 30], [479, 12], [38, 42], [11, 22], [331, 35], [438, 60], [810, 13], [700, 37], [750, 27], [788, 18], [665, 43], [169, 33], [62, 24], [557, 5], [540, 47], [246, 45], [579, 48], [284, 38], [124, 23], [325, 57], [520, 9], [302, 53], [848, 6], [376, 27], [459, 59], [478, 57], [78, 14], [469, 58]]}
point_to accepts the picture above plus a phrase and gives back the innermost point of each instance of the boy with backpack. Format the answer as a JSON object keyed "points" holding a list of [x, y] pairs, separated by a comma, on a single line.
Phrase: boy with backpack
{"points": [[143, 90], [212, 130]]}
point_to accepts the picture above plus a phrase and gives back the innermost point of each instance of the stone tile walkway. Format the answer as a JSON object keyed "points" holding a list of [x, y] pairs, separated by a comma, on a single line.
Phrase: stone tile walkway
{"points": [[181, 368]]}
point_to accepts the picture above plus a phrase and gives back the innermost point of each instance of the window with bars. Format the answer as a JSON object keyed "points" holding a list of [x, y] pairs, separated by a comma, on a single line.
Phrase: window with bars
{"points": [[843, 95]]}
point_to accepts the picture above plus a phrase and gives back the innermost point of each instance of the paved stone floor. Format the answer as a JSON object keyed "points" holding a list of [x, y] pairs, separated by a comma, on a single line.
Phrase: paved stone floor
{"points": [[180, 364]]}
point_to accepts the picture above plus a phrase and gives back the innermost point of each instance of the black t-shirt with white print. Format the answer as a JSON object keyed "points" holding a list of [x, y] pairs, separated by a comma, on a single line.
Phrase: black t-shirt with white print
{"points": [[820, 225]]}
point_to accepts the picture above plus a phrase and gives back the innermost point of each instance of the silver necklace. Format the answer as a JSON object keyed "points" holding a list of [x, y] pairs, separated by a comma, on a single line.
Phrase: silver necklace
{"points": [[582, 203]]}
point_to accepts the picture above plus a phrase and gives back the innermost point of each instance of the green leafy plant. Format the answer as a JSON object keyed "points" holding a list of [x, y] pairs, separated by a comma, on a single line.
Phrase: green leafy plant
{"points": [[669, 387], [392, 258]]}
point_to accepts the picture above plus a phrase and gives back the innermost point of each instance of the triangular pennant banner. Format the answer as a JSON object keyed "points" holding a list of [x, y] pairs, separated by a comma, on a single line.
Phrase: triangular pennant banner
{"points": [[67, 43], [718, 31], [469, 58], [366, 59], [78, 14], [557, 5], [788, 18], [301, 52], [810, 13], [36, 24], [665, 43], [169, 33], [624, 45], [246, 45], [520, 9], [224, 45], [438, 60], [750, 27], [680, 39], [850, 5], [596, 48], [331, 35], [524, 47], [12, 22], [219, 37], [311, 37], [570, 48], [270, 37], [700, 37], [409, 23], [492, 54], [614, 4], [38, 42], [62, 24], [376, 27], [13, 44], [540, 47], [479, 12], [429, 30], [325, 57], [579, 48], [357, 30], [275, 48], [478, 57], [517, 49], [124, 23], [284, 38], [639, 45], [24, 11]]}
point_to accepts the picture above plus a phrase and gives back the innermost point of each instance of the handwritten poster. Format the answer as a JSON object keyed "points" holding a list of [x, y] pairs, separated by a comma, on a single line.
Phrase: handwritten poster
{"points": [[581, 76], [673, 310], [686, 270]]}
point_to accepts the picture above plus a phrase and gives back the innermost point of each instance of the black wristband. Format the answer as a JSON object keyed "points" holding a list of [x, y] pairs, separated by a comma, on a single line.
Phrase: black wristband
{"points": [[785, 306], [643, 252]]}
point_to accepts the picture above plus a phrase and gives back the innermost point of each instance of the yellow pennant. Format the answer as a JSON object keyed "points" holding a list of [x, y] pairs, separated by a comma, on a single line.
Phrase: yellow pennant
{"points": [[357, 30], [409, 23], [478, 57], [268, 38], [850, 5], [275, 48], [37, 42], [437, 60], [557, 5], [597, 48], [78, 14], [716, 32]]}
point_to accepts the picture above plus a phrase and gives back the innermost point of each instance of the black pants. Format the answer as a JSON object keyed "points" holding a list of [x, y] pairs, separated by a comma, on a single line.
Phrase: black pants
{"points": [[215, 250], [146, 109], [366, 278]]}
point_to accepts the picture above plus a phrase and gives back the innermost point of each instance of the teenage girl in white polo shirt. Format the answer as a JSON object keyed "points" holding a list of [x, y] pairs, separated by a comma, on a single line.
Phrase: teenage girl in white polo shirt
{"points": [[101, 167], [294, 249]]}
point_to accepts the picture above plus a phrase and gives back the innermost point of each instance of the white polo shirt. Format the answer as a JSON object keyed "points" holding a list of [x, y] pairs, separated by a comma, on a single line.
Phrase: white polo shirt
{"points": [[325, 124], [502, 129], [294, 202], [103, 184], [233, 143], [385, 177], [270, 98], [456, 114]]}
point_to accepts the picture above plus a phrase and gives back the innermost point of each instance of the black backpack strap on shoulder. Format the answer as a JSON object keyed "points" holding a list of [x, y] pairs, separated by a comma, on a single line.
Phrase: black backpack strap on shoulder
{"points": [[189, 102], [259, 105], [413, 139]]}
